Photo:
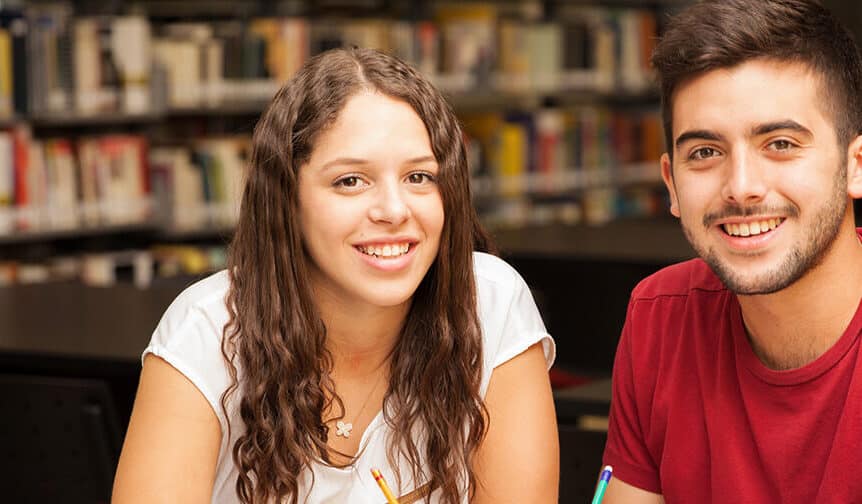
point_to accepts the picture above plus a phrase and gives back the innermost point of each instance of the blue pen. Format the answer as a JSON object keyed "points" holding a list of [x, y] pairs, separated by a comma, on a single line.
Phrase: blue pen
{"points": [[604, 479]]}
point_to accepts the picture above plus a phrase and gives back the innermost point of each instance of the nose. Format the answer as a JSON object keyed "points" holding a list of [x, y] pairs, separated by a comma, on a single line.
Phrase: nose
{"points": [[744, 183], [389, 204]]}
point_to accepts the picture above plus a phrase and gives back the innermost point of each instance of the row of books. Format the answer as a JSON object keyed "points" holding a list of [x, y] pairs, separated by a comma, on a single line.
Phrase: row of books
{"points": [[593, 207], [139, 267], [109, 180], [61, 184], [54, 62], [115, 180], [562, 149], [569, 165]]}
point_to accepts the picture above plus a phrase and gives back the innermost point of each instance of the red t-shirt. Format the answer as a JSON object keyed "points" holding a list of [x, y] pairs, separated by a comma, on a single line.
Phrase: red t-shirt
{"points": [[697, 417]]}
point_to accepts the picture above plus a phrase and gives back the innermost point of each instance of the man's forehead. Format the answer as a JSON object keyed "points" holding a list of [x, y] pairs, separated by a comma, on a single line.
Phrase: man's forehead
{"points": [[749, 94]]}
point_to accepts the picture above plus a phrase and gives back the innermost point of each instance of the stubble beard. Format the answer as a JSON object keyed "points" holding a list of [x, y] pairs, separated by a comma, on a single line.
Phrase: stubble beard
{"points": [[803, 257]]}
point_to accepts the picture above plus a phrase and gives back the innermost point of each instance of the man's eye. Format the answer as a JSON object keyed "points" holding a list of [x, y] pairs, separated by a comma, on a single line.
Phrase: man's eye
{"points": [[781, 145], [703, 153]]}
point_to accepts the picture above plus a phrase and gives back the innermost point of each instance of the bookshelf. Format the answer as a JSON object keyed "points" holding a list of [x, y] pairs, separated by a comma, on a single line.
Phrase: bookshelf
{"points": [[555, 96], [637, 241], [562, 125]]}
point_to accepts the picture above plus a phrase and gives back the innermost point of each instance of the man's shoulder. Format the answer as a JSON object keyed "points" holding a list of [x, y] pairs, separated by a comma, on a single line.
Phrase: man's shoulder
{"points": [[678, 280]]}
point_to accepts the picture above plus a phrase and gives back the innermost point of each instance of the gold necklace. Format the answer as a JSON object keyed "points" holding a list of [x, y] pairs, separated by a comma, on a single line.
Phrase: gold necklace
{"points": [[343, 428]]}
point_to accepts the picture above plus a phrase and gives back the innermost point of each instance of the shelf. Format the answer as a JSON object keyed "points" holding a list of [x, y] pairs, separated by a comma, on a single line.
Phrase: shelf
{"points": [[485, 99], [74, 119], [592, 398], [648, 240], [473, 100], [84, 322], [626, 3], [77, 233], [152, 231], [561, 182], [210, 233], [463, 102], [223, 109], [8, 122]]}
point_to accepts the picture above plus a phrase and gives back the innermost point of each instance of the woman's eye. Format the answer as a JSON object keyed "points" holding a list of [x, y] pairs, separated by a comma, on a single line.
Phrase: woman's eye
{"points": [[349, 181], [420, 178]]}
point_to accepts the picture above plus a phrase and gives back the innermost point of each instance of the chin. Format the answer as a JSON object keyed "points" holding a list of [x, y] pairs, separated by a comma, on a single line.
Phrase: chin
{"points": [[389, 297], [388, 301]]}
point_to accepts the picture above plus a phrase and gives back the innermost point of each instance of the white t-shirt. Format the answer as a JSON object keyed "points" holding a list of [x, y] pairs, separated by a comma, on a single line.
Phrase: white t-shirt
{"points": [[189, 338]]}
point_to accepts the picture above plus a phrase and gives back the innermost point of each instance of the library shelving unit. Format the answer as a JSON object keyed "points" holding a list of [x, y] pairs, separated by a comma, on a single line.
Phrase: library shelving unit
{"points": [[555, 97], [125, 128]]}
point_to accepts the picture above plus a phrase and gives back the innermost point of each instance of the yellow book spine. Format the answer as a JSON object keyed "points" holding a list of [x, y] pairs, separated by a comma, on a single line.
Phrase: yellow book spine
{"points": [[5, 73]]}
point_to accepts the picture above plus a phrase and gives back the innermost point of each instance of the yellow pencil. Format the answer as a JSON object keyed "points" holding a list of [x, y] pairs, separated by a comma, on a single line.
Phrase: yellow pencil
{"points": [[390, 497]]}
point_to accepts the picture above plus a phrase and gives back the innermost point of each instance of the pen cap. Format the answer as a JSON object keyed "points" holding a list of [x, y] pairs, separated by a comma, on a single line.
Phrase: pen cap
{"points": [[606, 474]]}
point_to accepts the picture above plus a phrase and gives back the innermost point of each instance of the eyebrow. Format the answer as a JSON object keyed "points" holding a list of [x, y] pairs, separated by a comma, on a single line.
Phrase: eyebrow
{"points": [[762, 129], [787, 124], [422, 159], [356, 161], [697, 135]]}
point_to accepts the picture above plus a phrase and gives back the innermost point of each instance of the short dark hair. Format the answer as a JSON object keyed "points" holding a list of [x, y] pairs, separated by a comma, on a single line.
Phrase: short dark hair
{"points": [[724, 33]]}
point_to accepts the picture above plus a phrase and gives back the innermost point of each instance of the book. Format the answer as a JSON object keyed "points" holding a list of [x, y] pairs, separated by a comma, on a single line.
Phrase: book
{"points": [[131, 48], [49, 58], [7, 182], [6, 75], [468, 40], [15, 24]]}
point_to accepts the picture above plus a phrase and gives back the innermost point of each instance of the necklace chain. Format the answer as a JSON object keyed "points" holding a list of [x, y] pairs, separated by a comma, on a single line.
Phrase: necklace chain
{"points": [[343, 428]]}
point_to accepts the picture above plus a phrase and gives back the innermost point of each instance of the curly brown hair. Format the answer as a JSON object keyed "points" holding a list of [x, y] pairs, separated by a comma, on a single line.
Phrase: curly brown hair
{"points": [[274, 343]]}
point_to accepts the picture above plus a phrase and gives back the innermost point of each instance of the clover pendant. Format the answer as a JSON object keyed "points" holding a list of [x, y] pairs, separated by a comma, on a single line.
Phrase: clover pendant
{"points": [[343, 429]]}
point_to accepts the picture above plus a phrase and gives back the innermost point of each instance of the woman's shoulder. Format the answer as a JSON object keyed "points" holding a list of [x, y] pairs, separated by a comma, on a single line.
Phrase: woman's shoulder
{"points": [[499, 288], [510, 319], [189, 336], [204, 297], [196, 317], [493, 272]]}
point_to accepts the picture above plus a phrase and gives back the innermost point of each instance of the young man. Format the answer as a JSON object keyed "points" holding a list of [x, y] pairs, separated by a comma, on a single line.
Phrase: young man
{"points": [[738, 377]]}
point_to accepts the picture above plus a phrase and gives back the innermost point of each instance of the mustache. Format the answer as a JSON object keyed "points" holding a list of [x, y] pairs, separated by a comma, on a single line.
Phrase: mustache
{"points": [[747, 211]]}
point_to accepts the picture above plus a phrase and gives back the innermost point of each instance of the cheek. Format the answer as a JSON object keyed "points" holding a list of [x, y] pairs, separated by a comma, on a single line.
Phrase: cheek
{"points": [[432, 216], [698, 191], [322, 221], [800, 185]]}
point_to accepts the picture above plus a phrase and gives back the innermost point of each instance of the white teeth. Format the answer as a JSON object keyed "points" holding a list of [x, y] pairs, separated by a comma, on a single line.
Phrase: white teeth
{"points": [[751, 228], [388, 250]]}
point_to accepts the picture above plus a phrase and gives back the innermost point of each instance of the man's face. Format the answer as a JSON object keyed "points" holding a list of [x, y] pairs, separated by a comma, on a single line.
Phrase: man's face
{"points": [[758, 180]]}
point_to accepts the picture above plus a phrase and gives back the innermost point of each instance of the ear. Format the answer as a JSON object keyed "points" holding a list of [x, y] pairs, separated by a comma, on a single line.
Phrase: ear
{"points": [[667, 176], [854, 168]]}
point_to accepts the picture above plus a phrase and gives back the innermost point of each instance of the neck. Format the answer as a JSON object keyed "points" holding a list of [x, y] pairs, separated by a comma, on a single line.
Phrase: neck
{"points": [[360, 338], [793, 327]]}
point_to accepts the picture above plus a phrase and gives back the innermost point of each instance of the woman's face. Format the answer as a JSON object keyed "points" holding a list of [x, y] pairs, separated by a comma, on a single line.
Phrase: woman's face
{"points": [[370, 208]]}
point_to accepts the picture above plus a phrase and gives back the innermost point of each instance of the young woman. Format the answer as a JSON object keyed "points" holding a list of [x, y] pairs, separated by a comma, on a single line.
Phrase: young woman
{"points": [[355, 326]]}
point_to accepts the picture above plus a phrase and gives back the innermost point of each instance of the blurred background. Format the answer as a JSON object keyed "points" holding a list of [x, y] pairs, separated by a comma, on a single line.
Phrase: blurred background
{"points": [[125, 129]]}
